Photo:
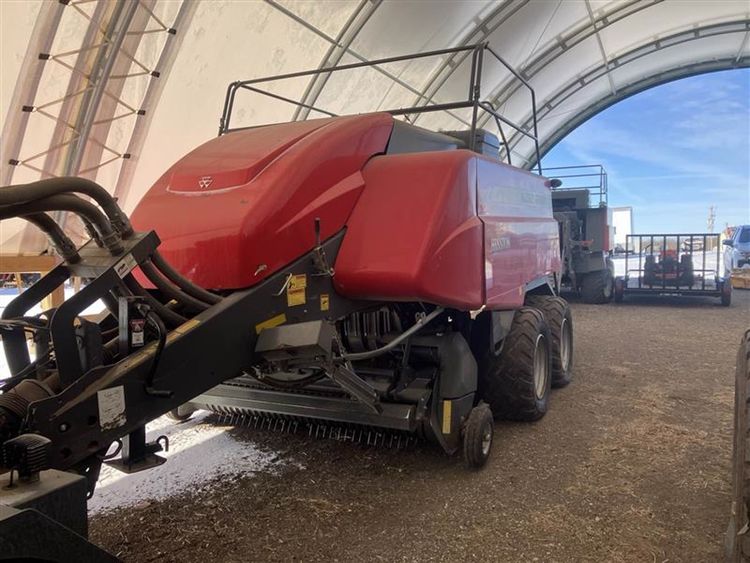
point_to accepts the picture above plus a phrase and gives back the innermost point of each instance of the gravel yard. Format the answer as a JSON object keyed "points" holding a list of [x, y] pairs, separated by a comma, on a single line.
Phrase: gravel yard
{"points": [[630, 464]]}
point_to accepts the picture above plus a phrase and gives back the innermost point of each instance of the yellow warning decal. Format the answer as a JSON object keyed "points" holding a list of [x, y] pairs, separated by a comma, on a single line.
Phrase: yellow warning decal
{"points": [[447, 412], [270, 323], [183, 329], [324, 302], [295, 291]]}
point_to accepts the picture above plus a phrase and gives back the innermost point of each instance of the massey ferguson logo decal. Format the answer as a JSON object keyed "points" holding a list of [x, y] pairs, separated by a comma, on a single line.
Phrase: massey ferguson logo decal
{"points": [[204, 182]]}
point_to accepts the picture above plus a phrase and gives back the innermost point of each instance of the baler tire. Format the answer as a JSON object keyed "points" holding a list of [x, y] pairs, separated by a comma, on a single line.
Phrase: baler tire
{"points": [[737, 544], [477, 436], [596, 287], [559, 319], [507, 381]]}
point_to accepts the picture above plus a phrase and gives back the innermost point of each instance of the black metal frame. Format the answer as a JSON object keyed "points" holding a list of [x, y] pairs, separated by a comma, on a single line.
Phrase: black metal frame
{"points": [[579, 177], [714, 286], [96, 263], [187, 365], [473, 100]]}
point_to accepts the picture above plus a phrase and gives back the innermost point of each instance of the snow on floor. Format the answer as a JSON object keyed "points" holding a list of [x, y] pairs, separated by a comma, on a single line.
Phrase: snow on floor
{"points": [[199, 452]]}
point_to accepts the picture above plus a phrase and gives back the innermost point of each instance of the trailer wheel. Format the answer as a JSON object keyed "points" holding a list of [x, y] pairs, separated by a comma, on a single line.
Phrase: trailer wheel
{"points": [[726, 293], [560, 321], [619, 290], [737, 540], [477, 436], [517, 384]]}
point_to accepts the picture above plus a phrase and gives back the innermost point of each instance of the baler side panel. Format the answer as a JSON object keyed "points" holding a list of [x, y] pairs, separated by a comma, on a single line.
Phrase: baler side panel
{"points": [[226, 235], [414, 234], [520, 234]]}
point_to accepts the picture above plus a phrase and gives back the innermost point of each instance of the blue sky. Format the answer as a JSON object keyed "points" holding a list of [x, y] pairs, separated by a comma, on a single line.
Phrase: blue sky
{"points": [[673, 151]]}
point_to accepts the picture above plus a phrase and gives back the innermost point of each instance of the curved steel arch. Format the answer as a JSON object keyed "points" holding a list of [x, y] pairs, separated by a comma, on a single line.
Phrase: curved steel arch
{"points": [[336, 51], [578, 83], [339, 47], [562, 44], [479, 34], [657, 79], [577, 34]]}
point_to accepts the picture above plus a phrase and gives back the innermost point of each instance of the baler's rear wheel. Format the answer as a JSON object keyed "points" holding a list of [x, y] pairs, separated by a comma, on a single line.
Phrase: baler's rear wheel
{"points": [[560, 321], [477, 436], [738, 536], [517, 384]]}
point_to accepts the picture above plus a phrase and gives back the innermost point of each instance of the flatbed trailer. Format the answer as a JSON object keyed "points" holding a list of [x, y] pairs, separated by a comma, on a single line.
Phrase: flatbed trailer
{"points": [[673, 264]]}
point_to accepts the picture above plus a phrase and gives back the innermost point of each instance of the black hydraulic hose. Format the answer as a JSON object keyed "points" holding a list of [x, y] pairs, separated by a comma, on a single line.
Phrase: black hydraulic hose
{"points": [[92, 232], [170, 290], [183, 283], [26, 193], [68, 202], [396, 341], [163, 311], [60, 240], [162, 333]]}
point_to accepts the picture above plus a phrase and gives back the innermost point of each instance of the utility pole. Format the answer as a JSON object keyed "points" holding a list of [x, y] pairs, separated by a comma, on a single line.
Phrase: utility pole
{"points": [[711, 218]]}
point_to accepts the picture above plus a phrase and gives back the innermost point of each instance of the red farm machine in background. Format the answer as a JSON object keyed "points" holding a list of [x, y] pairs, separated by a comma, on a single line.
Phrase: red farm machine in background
{"points": [[355, 272]]}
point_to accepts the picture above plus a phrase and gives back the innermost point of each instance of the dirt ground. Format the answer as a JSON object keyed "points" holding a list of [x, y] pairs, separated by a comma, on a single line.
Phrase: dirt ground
{"points": [[630, 464]]}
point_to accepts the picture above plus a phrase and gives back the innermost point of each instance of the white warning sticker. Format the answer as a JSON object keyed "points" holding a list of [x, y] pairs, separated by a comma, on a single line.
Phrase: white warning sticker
{"points": [[125, 266], [111, 407]]}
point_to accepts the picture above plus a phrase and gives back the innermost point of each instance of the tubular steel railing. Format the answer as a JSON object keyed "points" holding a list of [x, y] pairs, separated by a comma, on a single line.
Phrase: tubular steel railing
{"points": [[592, 177], [473, 100]]}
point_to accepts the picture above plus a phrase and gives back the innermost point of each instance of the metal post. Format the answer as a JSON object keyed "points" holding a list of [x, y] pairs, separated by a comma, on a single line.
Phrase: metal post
{"points": [[679, 263], [663, 255], [125, 14], [24, 94], [627, 242], [703, 277], [476, 93]]}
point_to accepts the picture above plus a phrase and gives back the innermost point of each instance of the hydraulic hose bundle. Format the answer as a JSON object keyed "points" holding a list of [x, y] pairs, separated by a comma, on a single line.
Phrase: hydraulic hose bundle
{"points": [[176, 299], [108, 226]]}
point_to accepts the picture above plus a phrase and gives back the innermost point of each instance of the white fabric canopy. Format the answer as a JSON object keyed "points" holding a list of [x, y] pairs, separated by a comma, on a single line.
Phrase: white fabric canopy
{"points": [[118, 91]]}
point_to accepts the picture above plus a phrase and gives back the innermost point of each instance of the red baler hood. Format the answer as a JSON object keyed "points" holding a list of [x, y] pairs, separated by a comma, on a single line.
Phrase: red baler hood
{"points": [[242, 206]]}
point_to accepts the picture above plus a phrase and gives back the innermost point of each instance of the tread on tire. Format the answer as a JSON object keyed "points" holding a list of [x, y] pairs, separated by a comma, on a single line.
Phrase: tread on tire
{"points": [[557, 312], [597, 287], [479, 428], [507, 381], [737, 544]]}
